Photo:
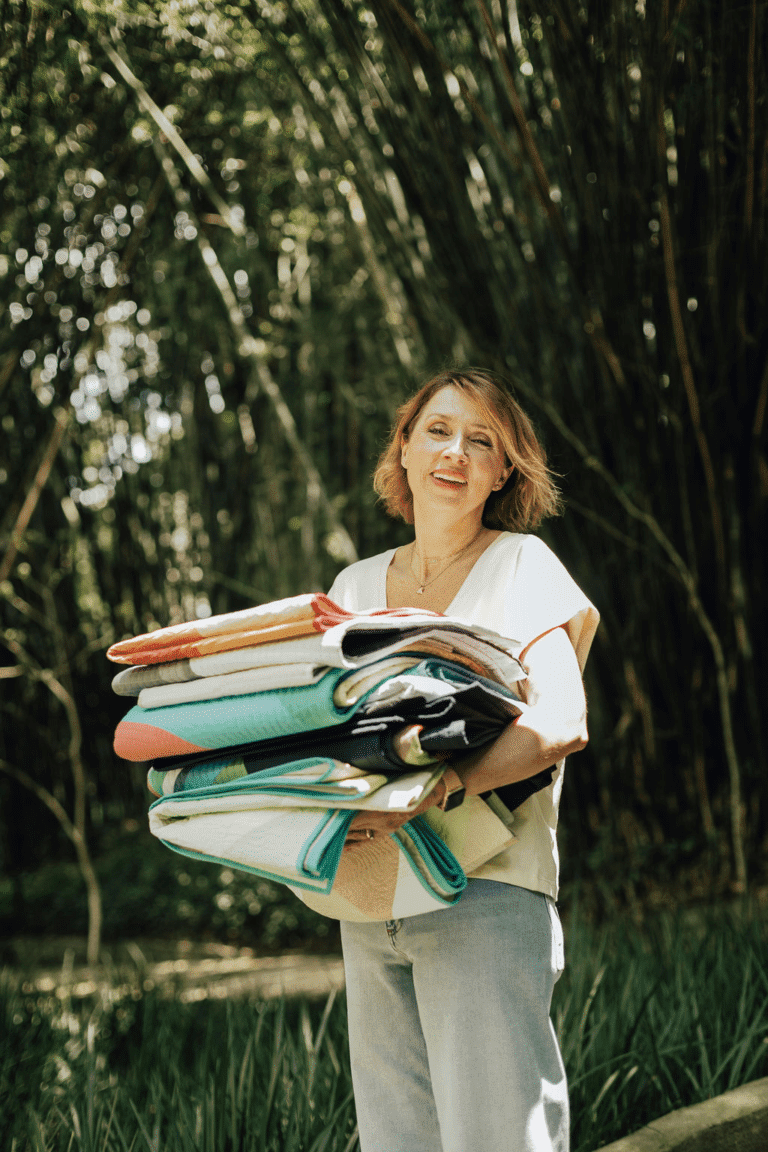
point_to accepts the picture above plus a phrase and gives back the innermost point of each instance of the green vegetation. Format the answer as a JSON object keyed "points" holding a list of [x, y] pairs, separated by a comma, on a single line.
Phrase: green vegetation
{"points": [[146, 1072], [149, 893], [233, 237], [656, 1017], [649, 1020]]}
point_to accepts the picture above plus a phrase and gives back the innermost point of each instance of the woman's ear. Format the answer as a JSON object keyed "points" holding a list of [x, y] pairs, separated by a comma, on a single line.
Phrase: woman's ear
{"points": [[505, 475]]}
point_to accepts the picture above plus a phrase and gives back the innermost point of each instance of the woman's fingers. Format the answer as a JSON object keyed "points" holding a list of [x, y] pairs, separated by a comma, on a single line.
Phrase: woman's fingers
{"points": [[367, 825]]}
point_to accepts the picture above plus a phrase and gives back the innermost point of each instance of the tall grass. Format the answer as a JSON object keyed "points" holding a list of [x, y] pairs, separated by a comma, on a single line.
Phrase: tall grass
{"points": [[648, 1020], [655, 1018], [149, 1072]]}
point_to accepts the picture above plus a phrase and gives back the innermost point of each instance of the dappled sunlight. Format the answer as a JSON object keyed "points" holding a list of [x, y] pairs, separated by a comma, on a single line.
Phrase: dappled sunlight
{"points": [[231, 244]]}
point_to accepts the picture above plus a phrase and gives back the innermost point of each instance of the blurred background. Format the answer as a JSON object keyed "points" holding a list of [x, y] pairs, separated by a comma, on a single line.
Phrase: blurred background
{"points": [[233, 237]]}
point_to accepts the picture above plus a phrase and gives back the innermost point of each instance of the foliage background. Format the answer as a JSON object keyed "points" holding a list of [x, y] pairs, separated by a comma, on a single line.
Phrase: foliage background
{"points": [[234, 236]]}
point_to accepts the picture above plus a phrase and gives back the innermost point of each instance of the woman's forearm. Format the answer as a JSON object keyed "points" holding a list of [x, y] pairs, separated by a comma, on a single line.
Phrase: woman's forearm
{"points": [[552, 725], [522, 750]]}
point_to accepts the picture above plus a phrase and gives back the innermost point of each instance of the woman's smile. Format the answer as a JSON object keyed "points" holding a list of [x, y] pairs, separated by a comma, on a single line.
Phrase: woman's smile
{"points": [[452, 451], [450, 479]]}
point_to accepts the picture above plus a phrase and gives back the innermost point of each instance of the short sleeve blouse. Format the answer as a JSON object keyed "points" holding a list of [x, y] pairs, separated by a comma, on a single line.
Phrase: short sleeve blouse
{"points": [[519, 589]]}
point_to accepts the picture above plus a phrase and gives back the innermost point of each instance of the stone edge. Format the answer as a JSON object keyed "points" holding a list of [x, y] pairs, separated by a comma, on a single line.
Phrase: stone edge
{"points": [[679, 1130]]}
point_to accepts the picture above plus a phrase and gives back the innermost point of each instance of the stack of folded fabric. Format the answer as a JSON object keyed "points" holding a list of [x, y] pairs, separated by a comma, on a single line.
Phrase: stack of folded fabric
{"points": [[267, 730]]}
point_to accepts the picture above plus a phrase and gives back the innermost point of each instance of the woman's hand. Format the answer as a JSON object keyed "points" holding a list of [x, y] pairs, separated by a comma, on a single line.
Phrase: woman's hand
{"points": [[385, 823]]}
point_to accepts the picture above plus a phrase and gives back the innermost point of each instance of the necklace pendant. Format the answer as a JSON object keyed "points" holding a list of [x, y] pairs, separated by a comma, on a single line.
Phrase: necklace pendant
{"points": [[419, 591]]}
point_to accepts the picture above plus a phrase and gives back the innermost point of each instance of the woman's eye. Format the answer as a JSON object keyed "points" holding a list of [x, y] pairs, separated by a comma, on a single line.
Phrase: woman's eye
{"points": [[481, 440], [438, 430]]}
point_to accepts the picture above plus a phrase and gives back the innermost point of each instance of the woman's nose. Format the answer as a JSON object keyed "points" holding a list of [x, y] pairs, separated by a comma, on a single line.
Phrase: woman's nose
{"points": [[455, 446]]}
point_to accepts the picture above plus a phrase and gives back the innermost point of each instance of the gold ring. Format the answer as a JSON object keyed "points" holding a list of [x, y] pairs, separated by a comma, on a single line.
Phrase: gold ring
{"points": [[369, 833]]}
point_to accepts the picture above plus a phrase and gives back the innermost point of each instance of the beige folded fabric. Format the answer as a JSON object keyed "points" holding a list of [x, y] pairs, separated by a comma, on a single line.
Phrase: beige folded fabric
{"points": [[385, 878], [233, 684], [277, 620]]}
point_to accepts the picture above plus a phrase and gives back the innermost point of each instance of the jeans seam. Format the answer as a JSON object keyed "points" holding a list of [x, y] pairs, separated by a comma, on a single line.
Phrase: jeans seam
{"points": [[393, 927]]}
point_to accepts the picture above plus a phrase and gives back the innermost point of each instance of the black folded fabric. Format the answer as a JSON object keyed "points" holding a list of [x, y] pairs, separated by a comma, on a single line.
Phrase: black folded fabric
{"points": [[366, 742], [513, 795], [392, 732], [472, 715]]}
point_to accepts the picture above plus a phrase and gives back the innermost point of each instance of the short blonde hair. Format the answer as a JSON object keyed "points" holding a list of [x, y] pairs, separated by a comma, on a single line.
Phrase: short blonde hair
{"points": [[530, 493]]}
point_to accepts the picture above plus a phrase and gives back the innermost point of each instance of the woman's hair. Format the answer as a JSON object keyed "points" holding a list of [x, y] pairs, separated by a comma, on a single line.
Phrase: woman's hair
{"points": [[529, 495]]}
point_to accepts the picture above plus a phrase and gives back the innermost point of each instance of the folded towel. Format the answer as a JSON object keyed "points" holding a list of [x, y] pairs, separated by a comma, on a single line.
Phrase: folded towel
{"points": [[415, 870]]}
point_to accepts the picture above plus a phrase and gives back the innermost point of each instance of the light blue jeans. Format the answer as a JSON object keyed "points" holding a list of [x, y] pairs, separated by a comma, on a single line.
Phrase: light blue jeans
{"points": [[451, 1043]]}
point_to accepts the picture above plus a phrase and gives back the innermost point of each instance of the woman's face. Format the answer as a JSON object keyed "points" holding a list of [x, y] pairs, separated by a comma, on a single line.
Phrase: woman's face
{"points": [[453, 458]]}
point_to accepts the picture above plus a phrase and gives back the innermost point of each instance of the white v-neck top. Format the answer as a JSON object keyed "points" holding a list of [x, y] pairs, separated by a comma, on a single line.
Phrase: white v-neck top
{"points": [[518, 588]]}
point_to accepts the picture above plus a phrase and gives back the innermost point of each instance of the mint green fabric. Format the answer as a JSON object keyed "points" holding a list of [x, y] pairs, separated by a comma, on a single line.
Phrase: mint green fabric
{"points": [[232, 720], [298, 846]]}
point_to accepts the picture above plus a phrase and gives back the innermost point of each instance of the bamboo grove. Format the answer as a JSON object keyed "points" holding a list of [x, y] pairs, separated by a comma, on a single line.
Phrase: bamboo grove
{"points": [[234, 236]]}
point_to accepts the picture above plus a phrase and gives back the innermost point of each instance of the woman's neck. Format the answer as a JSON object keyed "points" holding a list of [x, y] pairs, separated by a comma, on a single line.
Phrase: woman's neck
{"points": [[430, 572], [439, 537]]}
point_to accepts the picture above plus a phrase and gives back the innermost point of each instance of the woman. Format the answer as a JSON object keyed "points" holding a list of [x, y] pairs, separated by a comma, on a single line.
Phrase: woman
{"points": [[451, 1044]]}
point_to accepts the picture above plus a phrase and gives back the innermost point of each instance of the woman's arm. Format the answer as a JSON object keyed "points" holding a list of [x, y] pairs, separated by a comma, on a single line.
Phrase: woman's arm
{"points": [[554, 725]]}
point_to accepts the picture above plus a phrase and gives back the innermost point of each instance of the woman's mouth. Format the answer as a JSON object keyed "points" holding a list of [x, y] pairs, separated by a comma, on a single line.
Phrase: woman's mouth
{"points": [[449, 479]]}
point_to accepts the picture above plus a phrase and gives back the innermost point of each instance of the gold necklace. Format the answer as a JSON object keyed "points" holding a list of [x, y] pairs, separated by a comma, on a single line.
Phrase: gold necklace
{"points": [[426, 583]]}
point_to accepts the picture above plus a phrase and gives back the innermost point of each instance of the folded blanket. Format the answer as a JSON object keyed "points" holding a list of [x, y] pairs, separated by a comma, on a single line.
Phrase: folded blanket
{"points": [[272, 663], [205, 725], [346, 640], [301, 846], [401, 875], [301, 783], [360, 682], [457, 711], [355, 642], [347, 692], [391, 747], [278, 620], [305, 650], [271, 823], [234, 684], [414, 871]]}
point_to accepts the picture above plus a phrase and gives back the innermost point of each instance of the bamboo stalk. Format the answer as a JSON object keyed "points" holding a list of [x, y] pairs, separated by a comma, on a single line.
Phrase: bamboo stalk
{"points": [[81, 849], [689, 583], [122, 65], [686, 371], [248, 348], [63, 414], [593, 322], [7, 367], [761, 405], [74, 829], [35, 492], [749, 180]]}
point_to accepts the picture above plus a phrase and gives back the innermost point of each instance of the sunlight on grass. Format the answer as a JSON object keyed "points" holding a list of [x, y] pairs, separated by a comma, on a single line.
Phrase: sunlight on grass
{"points": [[649, 1020]]}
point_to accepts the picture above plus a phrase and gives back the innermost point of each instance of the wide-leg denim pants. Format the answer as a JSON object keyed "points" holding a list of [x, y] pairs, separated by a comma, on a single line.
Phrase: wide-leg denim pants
{"points": [[451, 1042]]}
